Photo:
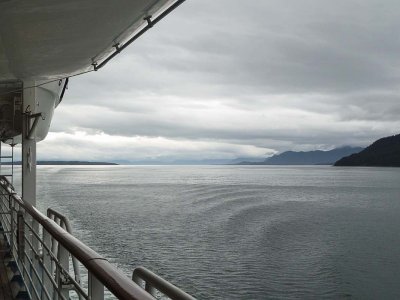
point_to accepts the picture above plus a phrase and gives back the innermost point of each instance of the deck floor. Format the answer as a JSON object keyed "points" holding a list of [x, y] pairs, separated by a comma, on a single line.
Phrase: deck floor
{"points": [[5, 291]]}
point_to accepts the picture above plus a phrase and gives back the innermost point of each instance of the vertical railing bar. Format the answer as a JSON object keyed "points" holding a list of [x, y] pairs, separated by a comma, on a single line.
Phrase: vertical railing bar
{"points": [[34, 235], [154, 283], [39, 260], [64, 223], [12, 225], [149, 288], [12, 162], [46, 259], [28, 276], [49, 276], [53, 258], [59, 292], [95, 287], [30, 263], [41, 263], [63, 260]]}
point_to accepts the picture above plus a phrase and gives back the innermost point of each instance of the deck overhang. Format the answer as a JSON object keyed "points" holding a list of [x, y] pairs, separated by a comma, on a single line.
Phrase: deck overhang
{"points": [[48, 39]]}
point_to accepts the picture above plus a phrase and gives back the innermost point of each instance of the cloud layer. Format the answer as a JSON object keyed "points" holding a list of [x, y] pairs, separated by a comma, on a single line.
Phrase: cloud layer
{"points": [[216, 80]]}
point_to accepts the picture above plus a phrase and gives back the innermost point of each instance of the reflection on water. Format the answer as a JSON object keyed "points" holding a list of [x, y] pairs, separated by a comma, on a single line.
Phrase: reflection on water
{"points": [[240, 232]]}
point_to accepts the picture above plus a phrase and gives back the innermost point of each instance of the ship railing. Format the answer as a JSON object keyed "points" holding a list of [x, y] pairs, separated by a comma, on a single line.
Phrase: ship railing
{"points": [[155, 285], [48, 260], [64, 223]]}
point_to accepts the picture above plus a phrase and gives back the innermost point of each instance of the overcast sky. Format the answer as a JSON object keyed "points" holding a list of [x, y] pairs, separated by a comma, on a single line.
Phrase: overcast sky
{"points": [[226, 79]]}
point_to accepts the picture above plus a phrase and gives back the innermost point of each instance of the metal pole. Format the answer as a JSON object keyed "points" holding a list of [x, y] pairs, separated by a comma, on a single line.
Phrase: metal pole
{"points": [[12, 162], [47, 263], [96, 288], [28, 146], [63, 258], [29, 106]]}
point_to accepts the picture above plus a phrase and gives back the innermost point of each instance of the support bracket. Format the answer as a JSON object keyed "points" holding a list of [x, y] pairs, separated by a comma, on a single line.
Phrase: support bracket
{"points": [[31, 131], [149, 22]]}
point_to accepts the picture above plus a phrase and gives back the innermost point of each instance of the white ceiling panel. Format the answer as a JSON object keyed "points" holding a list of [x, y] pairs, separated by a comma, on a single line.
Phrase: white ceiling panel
{"points": [[50, 38]]}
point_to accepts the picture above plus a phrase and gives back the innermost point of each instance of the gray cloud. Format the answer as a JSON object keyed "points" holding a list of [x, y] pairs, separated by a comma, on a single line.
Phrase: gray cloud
{"points": [[272, 74]]}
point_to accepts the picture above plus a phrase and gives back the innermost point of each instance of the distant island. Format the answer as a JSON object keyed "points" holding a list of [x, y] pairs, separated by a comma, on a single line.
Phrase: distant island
{"points": [[317, 157], [384, 152], [62, 162], [81, 163]]}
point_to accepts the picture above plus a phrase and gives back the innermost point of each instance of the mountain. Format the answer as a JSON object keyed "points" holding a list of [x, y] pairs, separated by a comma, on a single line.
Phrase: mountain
{"points": [[210, 161], [246, 159], [384, 152], [317, 157]]}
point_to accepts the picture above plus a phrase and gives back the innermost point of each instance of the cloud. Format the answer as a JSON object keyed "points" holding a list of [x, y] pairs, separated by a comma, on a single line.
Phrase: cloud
{"points": [[268, 74], [104, 147]]}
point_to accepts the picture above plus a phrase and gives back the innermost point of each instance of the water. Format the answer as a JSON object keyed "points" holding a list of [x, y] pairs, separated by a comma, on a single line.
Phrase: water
{"points": [[240, 232]]}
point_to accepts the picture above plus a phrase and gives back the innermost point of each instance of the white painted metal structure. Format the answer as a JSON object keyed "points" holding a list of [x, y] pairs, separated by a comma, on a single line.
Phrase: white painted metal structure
{"points": [[42, 44], [47, 39]]}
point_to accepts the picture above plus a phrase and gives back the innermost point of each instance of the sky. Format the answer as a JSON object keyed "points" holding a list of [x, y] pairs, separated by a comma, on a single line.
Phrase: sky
{"points": [[227, 79]]}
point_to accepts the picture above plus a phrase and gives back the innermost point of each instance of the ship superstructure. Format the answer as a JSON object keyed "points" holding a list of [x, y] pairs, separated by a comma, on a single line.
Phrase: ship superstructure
{"points": [[42, 44]]}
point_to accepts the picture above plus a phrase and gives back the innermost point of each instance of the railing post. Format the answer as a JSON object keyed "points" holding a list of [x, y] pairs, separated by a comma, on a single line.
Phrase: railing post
{"points": [[63, 259], [36, 257], [21, 235], [12, 225], [154, 285], [30, 105], [150, 289], [96, 288], [47, 262], [136, 279]]}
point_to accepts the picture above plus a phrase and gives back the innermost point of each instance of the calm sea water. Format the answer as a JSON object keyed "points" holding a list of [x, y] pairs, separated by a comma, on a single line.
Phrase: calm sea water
{"points": [[240, 232]]}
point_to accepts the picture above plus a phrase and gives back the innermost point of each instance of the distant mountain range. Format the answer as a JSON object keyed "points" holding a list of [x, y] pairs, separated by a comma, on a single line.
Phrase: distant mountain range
{"points": [[151, 162], [317, 157], [384, 152]]}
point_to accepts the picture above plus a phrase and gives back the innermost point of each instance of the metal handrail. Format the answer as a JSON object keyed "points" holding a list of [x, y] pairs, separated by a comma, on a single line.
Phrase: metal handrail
{"points": [[114, 280], [64, 222], [154, 281]]}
